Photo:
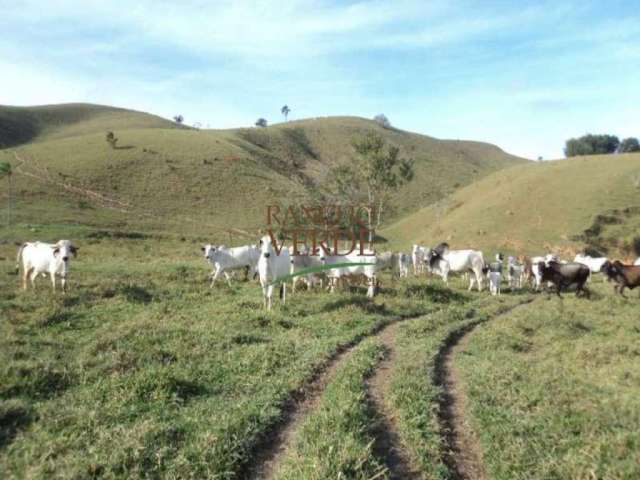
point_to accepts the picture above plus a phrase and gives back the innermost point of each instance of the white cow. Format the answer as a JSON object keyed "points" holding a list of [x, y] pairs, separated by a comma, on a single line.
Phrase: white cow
{"points": [[594, 263], [418, 254], [335, 275], [224, 260], [637, 262], [45, 258], [515, 273], [404, 261], [301, 262], [537, 276], [457, 261], [271, 267]]}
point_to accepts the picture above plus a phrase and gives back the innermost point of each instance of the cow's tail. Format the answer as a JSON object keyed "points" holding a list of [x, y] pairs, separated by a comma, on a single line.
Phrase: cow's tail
{"points": [[19, 257]]}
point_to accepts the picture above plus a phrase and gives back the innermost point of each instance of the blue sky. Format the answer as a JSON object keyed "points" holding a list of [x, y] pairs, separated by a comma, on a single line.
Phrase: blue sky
{"points": [[523, 75]]}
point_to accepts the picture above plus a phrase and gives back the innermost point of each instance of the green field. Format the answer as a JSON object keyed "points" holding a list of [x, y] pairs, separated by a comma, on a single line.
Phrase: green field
{"points": [[143, 371]]}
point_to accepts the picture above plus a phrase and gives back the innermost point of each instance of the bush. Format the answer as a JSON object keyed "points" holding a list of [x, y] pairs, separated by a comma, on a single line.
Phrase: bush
{"points": [[591, 145], [382, 120], [629, 145], [261, 122]]}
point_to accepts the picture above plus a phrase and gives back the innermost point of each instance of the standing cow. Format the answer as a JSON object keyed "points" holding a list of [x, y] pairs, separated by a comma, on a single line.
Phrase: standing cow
{"points": [[623, 276], [272, 267], [45, 258], [565, 275], [224, 260], [441, 260]]}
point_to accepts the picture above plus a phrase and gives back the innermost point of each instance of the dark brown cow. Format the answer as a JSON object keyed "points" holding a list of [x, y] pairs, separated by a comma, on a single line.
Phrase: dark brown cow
{"points": [[624, 276], [564, 275]]}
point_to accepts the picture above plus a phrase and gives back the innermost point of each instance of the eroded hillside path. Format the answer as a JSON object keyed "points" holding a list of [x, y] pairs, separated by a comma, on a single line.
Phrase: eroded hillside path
{"points": [[462, 450], [388, 445]]}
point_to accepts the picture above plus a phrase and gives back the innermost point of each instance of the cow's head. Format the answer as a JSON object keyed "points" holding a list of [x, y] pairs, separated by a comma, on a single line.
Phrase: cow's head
{"points": [[266, 248], [209, 251], [64, 249]]}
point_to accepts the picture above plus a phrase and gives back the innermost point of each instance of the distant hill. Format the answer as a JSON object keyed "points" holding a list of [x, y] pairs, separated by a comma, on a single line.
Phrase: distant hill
{"points": [[166, 177], [562, 206], [20, 125]]}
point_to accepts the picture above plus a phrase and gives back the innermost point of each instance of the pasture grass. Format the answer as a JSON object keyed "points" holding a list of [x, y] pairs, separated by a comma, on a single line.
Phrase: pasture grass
{"points": [[554, 389], [141, 370], [336, 441]]}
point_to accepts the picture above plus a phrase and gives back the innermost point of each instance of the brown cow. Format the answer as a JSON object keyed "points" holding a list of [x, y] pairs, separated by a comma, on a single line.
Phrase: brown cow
{"points": [[624, 276]]}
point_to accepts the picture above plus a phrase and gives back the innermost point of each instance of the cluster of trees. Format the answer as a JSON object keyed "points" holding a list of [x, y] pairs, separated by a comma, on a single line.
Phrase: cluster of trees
{"points": [[7, 171], [600, 145]]}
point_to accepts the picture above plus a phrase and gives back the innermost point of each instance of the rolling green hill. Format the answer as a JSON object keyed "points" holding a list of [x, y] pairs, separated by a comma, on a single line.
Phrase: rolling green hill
{"points": [[19, 125], [561, 206], [187, 180]]}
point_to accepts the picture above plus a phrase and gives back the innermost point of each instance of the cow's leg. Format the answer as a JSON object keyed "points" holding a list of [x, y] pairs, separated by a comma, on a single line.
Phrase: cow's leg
{"points": [[25, 276], [621, 291], [216, 274], [33, 277], [53, 281], [228, 277], [283, 293], [559, 289], [246, 273]]}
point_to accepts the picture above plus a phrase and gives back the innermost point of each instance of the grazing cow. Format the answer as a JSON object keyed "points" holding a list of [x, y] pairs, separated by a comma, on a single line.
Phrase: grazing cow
{"points": [[442, 261], [368, 272], [224, 260], [515, 273], [564, 275], [418, 254], [272, 267], [404, 261], [594, 263], [624, 276], [45, 258]]}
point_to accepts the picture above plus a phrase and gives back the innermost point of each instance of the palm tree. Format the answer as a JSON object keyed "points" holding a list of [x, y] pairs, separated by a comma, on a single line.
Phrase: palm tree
{"points": [[5, 171], [285, 111]]}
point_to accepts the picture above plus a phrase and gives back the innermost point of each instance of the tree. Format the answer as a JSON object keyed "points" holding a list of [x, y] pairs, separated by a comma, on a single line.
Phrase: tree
{"points": [[382, 119], [178, 119], [629, 145], [591, 145], [111, 139], [285, 111], [261, 122], [7, 171], [375, 173]]}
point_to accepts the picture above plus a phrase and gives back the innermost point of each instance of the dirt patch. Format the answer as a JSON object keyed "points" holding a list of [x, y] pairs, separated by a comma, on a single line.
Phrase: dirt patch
{"points": [[388, 445]]}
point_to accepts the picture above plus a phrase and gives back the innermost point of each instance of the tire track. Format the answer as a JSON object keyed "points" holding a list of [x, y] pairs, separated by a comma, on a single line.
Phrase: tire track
{"points": [[388, 444], [462, 452], [270, 451]]}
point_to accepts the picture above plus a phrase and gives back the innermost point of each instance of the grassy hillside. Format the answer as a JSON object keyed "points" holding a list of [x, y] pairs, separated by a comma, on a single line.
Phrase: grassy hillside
{"points": [[19, 125], [561, 205], [185, 180]]}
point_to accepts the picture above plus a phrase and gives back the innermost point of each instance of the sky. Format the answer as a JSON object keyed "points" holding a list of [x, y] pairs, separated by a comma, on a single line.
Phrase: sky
{"points": [[522, 75]]}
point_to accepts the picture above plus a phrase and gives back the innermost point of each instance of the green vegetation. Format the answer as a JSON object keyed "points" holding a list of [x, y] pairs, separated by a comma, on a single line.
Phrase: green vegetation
{"points": [[592, 145], [336, 441], [554, 389], [168, 178], [536, 208]]}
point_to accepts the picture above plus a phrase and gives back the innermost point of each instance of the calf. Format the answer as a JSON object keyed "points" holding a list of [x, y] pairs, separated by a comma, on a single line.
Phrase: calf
{"points": [[494, 273], [624, 276], [45, 258], [272, 267], [565, 275], [418, 254], [404, 261], [515, 272], [225, 259]]}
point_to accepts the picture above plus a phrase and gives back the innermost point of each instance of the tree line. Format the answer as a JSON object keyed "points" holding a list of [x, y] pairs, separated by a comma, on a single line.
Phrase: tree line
{"points": [[590, 144]]}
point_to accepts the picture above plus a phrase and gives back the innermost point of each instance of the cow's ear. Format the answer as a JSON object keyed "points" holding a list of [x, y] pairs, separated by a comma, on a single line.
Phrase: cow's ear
{"points": [[74, 250], [203, 249], [56, 251]]}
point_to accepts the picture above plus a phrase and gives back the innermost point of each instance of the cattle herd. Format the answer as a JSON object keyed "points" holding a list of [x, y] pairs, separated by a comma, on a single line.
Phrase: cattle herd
{"points": [[274, 266]]}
